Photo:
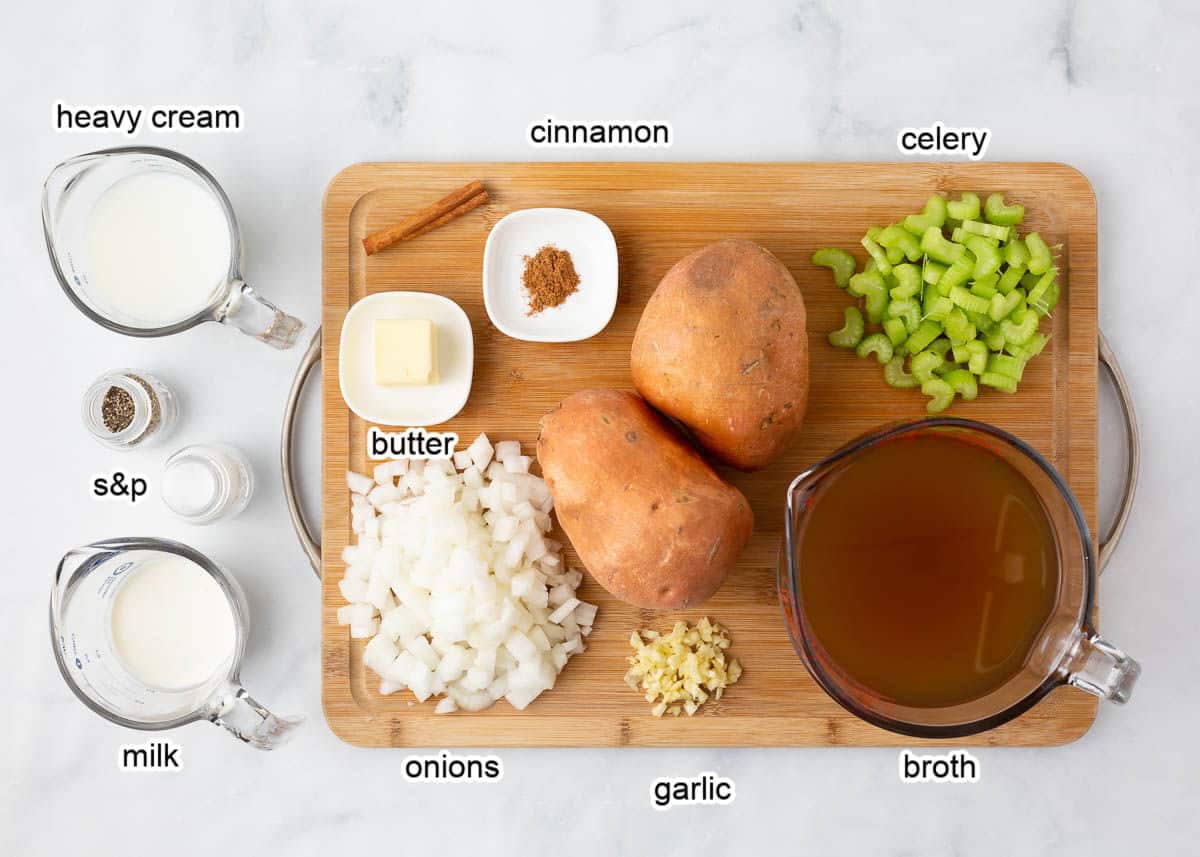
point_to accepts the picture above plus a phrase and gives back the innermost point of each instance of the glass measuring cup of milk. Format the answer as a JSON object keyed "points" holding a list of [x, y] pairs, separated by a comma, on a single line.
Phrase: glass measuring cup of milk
{"points": [[150, 634], [145, 242]]}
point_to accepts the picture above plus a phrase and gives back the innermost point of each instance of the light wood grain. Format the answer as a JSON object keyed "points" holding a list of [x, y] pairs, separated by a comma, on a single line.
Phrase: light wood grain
{"points": [[660, 213]]}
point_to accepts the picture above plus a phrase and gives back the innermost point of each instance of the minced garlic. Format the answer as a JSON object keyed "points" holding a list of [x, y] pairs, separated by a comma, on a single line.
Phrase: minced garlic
{"points": [[680, 670]]}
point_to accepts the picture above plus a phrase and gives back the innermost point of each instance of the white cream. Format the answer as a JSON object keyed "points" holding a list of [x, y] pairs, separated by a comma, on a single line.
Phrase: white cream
{"points": [[171, 624], [159, 248]]}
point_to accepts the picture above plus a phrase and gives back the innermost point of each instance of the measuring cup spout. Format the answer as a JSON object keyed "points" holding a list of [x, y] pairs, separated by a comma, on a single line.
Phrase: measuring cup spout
{"points": [[248, 720]]}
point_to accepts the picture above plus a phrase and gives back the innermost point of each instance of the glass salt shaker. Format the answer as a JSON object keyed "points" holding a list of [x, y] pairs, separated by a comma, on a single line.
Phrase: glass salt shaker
{"points": [[207, 482], [128, 407]]}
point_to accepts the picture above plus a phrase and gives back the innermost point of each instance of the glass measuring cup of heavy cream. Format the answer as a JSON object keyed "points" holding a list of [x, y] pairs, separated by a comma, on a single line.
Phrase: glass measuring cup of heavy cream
{"points": [[150, 634], [145, 242]]}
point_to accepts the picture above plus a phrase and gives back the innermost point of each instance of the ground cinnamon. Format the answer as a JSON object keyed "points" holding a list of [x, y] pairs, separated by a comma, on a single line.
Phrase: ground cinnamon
{"points": [[549, 278]]}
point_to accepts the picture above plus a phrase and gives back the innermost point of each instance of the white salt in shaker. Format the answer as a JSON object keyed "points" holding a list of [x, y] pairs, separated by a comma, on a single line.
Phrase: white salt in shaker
{"points": [[206, 482]]}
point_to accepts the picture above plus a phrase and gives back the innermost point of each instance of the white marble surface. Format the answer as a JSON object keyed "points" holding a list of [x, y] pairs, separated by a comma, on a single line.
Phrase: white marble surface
{"points": [[1109, 87]]}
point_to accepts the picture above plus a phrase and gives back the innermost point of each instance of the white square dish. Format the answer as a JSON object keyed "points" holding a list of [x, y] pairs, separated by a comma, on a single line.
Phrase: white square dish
{"points": [[593, 252], [406, 406]]}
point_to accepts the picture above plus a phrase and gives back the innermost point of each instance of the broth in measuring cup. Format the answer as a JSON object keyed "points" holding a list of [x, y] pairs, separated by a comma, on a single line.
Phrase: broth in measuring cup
{"points": [[928, 568]]}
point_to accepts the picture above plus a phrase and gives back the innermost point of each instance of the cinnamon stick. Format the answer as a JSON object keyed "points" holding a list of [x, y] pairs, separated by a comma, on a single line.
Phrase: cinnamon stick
{"points": [[453, 205]]}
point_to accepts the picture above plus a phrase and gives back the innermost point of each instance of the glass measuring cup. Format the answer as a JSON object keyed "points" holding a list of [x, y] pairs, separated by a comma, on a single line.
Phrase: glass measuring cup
{"points": [[1067, 650], [70, 195], [85, 589]]}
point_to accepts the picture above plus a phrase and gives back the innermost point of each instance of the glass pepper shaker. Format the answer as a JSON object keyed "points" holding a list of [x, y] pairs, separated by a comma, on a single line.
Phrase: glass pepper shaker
{"points": [[125, 408]]}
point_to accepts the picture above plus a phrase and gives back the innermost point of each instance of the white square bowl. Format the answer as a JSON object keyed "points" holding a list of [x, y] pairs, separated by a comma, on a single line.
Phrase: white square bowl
{"points": [[406, 406], [594, 253]]}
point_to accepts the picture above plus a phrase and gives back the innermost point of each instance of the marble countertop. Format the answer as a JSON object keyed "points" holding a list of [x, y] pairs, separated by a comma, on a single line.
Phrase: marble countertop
{"points": [[1108, 87]]}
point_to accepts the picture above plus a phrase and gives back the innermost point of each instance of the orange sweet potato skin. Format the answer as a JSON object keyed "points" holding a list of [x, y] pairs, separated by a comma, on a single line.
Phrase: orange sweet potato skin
{"points": [[651, 521], [721, 347]]}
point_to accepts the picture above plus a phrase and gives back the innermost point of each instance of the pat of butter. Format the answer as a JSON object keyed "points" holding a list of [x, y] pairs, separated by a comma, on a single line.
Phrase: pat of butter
{"points": [[405, 351]]}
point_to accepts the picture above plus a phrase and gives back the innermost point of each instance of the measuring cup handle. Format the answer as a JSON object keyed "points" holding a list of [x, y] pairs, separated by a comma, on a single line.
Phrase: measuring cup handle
{"points": [[252, 314], [1102, 669], [244, 717]]}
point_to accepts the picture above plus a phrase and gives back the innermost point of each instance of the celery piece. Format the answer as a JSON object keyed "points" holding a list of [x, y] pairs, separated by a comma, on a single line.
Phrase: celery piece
{"points": [[987, 256], [877, 253], [869, 266], [925, 334], [1029, 280], [961, 353], [936, 307], [960, 236], [1020, 332], [931, 272], [908, 279], [994, 341], [896, 237], [1038, 293], [957, 274], [987, 230], [1040, 258], [995, 380], [907, 310], [895, 375], [966, 208], [837, 260], [1029, 350], [1009, 279], [940, 346], [934, 216], [982, 322], [894, 255], [923, 364], [959, 328], [895, 330], [1048, 301], [878, 344], [977, 362], [1003, 364], [851, 333], [870, 285], [985, 287], [940, 395], [935, 245], [1016, 253], [995, 211], [962, 298], [963, 383], [1002, 305]]}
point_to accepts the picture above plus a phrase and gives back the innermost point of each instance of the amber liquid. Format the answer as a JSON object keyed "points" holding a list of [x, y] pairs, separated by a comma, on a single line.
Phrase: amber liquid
{"points": [[928, 567]]}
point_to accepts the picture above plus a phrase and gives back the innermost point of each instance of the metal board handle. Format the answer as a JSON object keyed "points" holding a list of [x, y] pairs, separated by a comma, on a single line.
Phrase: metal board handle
{"points": [[1133, 458], [310, 543]]}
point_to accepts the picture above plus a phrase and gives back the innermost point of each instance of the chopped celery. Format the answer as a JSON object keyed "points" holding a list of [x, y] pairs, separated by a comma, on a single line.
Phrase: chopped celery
{"points": [[935, 245], [932, 272], [1016, 253], [925, 334], [923, 365], [878, 344], [908, 279], [981, 321], [1003, 215], [966, 208], [961, 353], [988, 257], [940, 346], [960, 236], [996, 381], [895, 330], [958, 328], [994, 340], [962, 298], [1002, 305], [933, 217], [1020, 332], [839, 261], [877, 253], [963, 383], [940, 395], [957, 274], [1003, 364], [870, 285], [852, 331], [1048, 301], [1038, 293], [1009, 280], [907, 310], [894, 374], [977, 362], [936, 307], [1030, 349], [1040, 258], [985, 287], [894, 237], [987, 230]]}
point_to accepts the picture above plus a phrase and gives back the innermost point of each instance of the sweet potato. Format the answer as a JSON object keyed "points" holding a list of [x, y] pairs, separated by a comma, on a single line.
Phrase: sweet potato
{"points": [[651, 521], [721, 347]]}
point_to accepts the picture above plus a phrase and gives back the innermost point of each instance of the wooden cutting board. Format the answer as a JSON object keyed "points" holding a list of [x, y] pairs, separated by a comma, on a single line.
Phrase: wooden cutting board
{"points": [[660, 213]]}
